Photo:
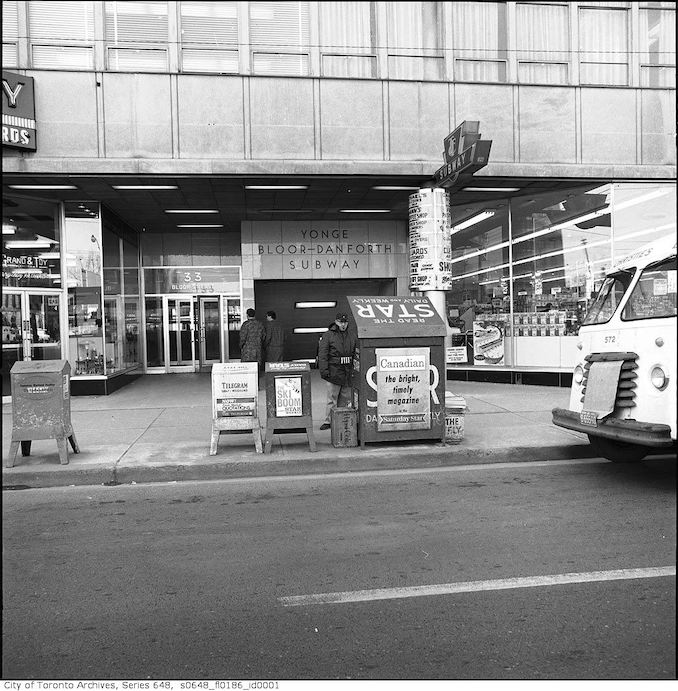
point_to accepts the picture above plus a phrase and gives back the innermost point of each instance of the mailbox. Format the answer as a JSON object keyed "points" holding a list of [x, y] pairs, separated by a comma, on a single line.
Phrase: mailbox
{"points": [[399, 369], [41, 406], [288, 400]]}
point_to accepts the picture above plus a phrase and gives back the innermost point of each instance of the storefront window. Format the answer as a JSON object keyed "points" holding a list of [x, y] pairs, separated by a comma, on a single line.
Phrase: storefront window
{"points": [[30, 244], [31, 283], [561, 253], [641, 214], [83, 262], [132, 310], [479, 301]]}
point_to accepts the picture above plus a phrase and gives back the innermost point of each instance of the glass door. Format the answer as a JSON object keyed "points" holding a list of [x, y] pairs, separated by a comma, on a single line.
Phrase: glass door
{"points": [[30, 330], [180, 332], [209, 331]]}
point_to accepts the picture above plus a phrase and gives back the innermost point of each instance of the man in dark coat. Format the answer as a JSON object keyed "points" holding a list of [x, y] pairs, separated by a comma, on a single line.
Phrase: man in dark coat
{"points": [[274, 340], [252, 339], [335, 362]]}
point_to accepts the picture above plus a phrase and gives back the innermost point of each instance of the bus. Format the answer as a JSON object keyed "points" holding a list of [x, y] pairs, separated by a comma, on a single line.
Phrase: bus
{"points": [[623, 394]]}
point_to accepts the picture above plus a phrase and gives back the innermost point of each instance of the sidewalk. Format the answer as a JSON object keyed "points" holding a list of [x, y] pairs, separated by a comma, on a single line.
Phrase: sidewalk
{"points": [[157, 429]]}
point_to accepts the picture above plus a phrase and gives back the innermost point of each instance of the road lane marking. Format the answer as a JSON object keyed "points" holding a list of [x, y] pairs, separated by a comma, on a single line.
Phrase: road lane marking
{"points": [[476, 586]]}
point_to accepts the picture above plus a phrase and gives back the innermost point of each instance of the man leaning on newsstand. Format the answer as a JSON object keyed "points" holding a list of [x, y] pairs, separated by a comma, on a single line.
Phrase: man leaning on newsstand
{"points": [[335, 362]]}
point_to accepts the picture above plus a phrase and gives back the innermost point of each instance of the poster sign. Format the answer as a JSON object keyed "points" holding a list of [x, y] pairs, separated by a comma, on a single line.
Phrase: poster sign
{"points": [[403, 397], [235, 389], [457, 354], [288, 400], [488, 342], [429, 240]]}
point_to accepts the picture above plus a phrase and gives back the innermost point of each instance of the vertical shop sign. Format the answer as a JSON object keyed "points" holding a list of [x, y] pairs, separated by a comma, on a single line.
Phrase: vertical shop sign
{"points": [[18, 111], [430, 240], [403, 397]]}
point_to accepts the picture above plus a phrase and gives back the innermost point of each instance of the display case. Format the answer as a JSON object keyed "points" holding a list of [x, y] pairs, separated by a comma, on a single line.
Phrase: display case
{"points": [[85, 332]]}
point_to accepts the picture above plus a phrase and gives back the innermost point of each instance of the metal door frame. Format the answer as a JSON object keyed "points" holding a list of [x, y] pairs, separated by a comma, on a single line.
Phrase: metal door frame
{"points": [[205, 365], [178, 297]]}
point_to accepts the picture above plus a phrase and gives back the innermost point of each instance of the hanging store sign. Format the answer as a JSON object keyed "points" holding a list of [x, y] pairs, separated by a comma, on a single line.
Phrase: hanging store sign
{"points": [[429, 240], [465, 152], [18, 111]]}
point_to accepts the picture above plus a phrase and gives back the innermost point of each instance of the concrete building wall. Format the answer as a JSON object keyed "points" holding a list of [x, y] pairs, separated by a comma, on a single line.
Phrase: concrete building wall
{"points": [[161, 123]]}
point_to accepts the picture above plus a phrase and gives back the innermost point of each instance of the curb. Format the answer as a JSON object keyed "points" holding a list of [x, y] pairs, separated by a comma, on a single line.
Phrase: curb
{"points": [[318, 463]]}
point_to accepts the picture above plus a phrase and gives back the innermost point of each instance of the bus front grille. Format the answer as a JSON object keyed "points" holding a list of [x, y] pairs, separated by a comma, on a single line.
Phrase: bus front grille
{"points": [[626, 394]]}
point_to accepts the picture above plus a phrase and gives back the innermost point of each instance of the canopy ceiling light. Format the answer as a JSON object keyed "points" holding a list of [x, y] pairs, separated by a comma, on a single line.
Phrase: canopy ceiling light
{"points": [[364, 211], [191, 211], [276, 187], [490, 189], [43, 187], [145, 187]]}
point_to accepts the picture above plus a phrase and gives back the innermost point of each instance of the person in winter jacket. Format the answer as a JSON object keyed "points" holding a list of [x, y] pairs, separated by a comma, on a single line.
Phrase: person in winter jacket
{"points": [[274, 339], [251, 339], [335, 362]]}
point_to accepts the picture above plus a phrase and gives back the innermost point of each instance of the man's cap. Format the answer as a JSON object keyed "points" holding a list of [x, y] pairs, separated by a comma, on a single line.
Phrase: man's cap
{"points": [[341, 317]]}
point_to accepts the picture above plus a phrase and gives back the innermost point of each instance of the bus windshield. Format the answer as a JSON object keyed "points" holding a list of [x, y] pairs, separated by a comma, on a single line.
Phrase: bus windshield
{"points": [[609, 297], [655, 293]]}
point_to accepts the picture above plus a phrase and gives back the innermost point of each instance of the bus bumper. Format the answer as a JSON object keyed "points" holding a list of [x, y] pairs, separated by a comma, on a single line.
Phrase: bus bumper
{"points": [[628, 431]]}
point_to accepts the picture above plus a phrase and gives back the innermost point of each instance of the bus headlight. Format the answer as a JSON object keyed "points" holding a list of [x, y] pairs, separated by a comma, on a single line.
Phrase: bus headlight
{"points": [[578, 374], [659, 378]]}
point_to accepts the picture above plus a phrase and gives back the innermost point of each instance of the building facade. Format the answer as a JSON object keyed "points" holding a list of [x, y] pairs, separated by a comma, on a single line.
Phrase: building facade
{"points": [[167, 165]]}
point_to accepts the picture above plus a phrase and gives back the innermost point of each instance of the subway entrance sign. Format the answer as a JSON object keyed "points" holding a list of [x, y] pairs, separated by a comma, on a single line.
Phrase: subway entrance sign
{"points": [[398, 369]]}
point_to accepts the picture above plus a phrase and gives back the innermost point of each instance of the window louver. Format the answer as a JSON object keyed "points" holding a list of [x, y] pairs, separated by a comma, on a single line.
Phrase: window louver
{"points": [[10, 22], [136, 22], [60, 21]]}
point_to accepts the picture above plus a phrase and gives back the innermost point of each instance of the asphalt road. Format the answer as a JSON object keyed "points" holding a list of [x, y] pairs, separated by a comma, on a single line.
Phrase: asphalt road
{"points": [[194, 580]]}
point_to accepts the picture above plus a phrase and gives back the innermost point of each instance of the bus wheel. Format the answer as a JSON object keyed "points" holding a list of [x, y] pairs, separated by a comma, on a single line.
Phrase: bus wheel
{"points": [[618, 451]]}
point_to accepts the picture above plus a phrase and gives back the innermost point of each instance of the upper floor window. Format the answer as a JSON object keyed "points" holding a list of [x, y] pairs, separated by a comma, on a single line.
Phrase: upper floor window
{"points": [[480, 41], [10, 33], [543, 42], [603, 46], [657, 41], [209, 36], [414, 40], [280, 37], [136, 35], [347, 40], [62, 34]]}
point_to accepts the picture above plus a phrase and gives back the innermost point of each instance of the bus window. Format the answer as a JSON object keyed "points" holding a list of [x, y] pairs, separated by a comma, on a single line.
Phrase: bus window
{"points": [[608, 298], [655, 293]]}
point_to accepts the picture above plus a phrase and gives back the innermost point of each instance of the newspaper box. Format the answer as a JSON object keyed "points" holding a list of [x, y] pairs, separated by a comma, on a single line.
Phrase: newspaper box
{"points": [[398, 369], [288, 401], [235, 399], [455, 407], [41, 407]]}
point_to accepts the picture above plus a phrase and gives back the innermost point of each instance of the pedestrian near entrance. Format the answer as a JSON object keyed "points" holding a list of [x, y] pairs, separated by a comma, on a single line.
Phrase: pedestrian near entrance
{"points": [[274, 339], [252, 339], [335, 358]]}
